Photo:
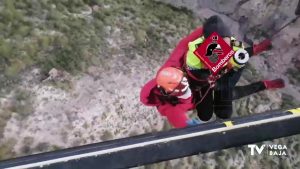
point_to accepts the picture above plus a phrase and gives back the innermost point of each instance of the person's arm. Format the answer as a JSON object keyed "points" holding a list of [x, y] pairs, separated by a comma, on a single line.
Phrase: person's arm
{"points": [[176, 115], [252, 51], [176, 58], [147, 97]]}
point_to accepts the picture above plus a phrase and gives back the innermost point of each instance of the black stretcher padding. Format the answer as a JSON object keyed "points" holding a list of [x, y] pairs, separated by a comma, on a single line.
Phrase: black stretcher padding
{"points": [[187, 147], [260, 116], [169, 150], [110, 144]]}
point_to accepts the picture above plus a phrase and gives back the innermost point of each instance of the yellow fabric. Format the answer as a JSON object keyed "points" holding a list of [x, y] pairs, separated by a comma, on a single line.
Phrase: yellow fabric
{"points": [[194, 62], [228, 123], [235, 48], [295, 111]]}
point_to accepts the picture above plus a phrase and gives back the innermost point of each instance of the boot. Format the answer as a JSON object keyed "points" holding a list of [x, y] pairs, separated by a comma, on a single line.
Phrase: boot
{"points": [[262, 46], [274, 84]]}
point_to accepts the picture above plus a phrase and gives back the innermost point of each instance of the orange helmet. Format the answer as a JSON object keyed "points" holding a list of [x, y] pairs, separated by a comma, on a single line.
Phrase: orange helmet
{"points": [[169, 78]]}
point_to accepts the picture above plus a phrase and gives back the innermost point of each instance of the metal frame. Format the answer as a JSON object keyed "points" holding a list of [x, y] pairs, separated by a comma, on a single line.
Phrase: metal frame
{"points": [[161, 146]]}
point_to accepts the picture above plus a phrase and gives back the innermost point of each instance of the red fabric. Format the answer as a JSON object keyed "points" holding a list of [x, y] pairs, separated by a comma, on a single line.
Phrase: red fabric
{"points": [[176, 58], [176, 115], [262, 46], [149, 95], [274, 84]]}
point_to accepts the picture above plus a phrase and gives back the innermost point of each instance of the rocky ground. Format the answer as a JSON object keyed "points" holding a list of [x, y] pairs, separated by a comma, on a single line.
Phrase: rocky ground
{"points": [[257, 19], [42, 112], [101, 102]]}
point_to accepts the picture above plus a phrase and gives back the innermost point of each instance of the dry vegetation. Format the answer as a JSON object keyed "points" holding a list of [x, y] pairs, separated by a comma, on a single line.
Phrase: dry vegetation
{"points": [[74, 35]]}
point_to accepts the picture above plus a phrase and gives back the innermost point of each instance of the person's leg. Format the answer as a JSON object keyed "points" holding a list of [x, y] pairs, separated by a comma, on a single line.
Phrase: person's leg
{"points": [[242, 91], [235, 77], [223, 95], [223, 98], [223, 103], [229, 80], [205, 107]]}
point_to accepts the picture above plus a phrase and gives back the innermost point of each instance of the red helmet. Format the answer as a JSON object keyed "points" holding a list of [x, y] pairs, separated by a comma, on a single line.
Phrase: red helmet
{"points": [[172, 80]]}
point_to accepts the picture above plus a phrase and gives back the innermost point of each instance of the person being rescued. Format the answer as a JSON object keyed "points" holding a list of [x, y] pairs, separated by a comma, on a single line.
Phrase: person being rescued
{"points": [[171, 94], [210, 94]]}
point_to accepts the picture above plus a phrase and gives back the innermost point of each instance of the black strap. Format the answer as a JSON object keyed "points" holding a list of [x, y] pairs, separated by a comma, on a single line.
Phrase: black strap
{"points": [[166, 98]]}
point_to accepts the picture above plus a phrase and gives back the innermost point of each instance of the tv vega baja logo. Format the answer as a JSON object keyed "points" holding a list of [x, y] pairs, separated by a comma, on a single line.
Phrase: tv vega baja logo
{"points": [[273, 150]]}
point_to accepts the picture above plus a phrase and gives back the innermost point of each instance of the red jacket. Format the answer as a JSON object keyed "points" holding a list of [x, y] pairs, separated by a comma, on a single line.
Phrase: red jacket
{"points": [[151, 96], [176, 114], [177, 56]]}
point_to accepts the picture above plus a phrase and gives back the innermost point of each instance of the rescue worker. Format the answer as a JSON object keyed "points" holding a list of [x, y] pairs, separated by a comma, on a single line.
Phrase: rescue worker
{"points": [[171, 94], [216, 93], [209, 93]]}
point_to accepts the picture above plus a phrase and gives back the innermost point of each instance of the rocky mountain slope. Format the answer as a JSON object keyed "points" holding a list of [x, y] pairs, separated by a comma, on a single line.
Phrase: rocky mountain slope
{"points": [[94, 95], [258, 19], [83, 65]]}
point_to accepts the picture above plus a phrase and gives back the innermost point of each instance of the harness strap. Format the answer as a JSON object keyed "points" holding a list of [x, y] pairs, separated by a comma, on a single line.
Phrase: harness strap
{"points": [[194, 77], [205, 94], [211, 80]]}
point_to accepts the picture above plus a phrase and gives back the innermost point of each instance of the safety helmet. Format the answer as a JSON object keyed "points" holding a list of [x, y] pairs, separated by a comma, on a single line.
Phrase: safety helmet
{"points": [[172, 80]]}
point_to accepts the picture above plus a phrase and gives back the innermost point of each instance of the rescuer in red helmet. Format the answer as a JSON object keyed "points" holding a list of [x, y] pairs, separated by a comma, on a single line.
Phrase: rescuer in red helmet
{"points": [[171, 94]]}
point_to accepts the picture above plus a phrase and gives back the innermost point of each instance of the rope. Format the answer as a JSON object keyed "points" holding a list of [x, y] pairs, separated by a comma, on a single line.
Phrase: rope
{"points": [[211, 79], [210, 87], [212, 82]]}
